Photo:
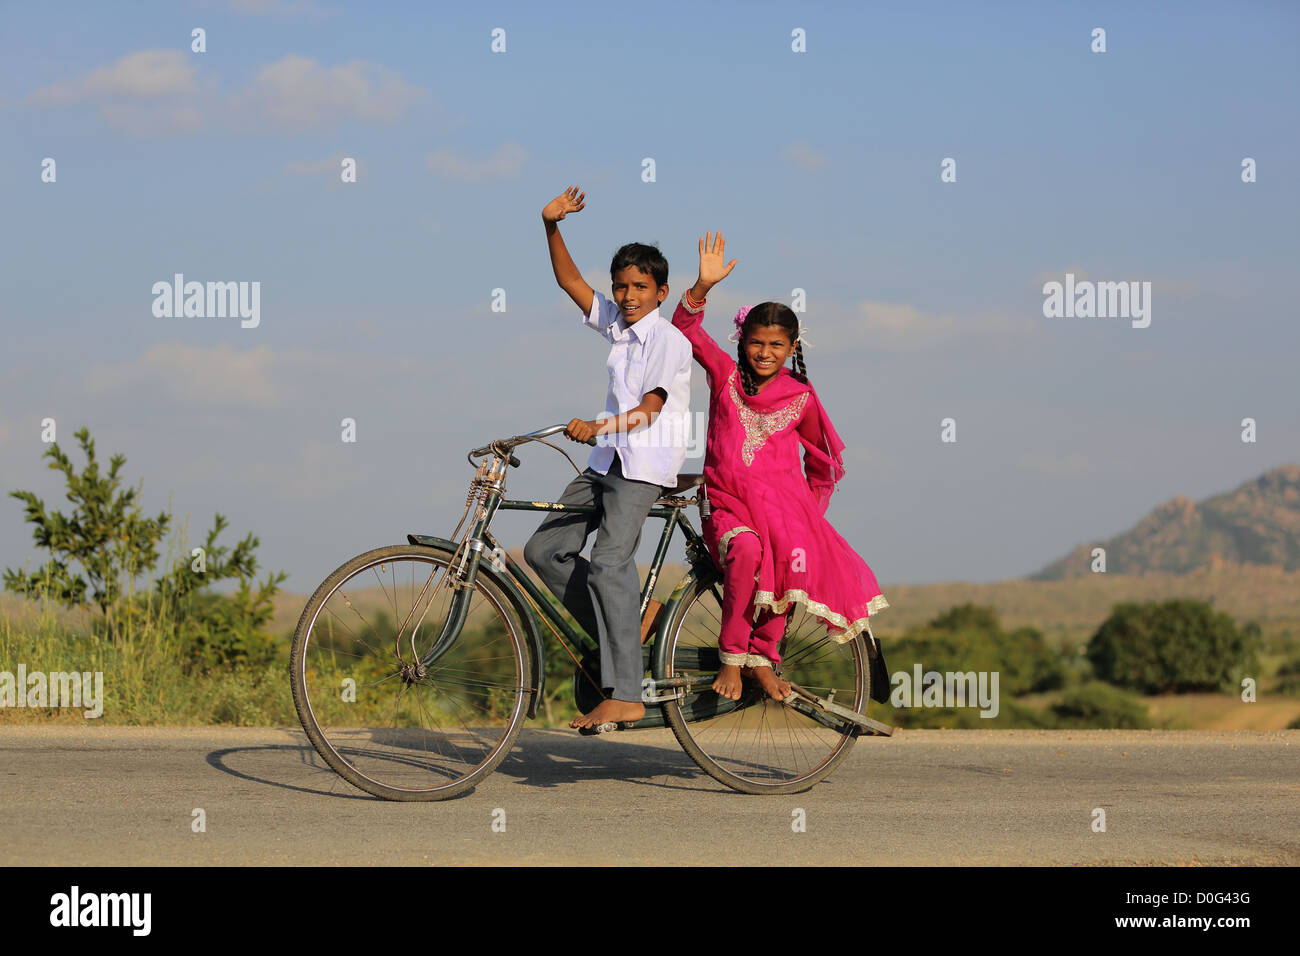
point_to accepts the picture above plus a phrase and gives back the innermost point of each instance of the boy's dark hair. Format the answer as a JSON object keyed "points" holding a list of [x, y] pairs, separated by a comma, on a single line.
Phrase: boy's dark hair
{"points": [[766, 315], [646, 258]]}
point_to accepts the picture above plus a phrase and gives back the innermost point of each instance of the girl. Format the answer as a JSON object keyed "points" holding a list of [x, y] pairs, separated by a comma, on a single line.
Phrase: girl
{"points": [[768, 531]]}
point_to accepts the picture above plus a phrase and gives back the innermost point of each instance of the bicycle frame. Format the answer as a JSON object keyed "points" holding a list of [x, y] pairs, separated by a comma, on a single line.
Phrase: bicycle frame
{"points": [[478, 539]]}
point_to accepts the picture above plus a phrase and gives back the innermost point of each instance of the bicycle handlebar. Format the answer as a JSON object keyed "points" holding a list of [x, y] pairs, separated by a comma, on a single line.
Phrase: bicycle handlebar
{"points": [[504, 445]]}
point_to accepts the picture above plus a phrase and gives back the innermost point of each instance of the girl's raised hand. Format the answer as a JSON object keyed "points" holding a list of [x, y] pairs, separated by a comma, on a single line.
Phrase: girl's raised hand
{"points": [[713, 259], [571, 200]]}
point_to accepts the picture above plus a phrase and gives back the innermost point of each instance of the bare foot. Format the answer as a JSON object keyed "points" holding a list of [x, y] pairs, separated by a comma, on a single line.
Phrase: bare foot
{"points": [[610, 710], [728, 682], [776, 688]]}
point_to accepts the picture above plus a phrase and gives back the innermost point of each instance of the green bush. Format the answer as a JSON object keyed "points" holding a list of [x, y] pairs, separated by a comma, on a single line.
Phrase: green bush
{"points": [[1288, 678], [969, 638], [1099, 705], [98, 552], [1174, 646]]}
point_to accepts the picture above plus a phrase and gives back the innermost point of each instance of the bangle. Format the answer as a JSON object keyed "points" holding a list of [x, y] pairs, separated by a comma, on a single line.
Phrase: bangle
{"points": [[691, 305]]}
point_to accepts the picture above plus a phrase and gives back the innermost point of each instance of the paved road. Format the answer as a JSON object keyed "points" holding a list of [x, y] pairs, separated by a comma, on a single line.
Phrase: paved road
{"points": [[116, 795]]}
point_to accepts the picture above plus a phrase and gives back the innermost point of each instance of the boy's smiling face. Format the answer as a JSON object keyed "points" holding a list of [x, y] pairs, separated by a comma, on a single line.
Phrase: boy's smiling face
{"points": [[636, 294]]}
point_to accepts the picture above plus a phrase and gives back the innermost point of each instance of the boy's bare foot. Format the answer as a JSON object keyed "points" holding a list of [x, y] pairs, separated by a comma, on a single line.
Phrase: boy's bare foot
{"points": [[776, 688], [728, 681], [610, 710]]}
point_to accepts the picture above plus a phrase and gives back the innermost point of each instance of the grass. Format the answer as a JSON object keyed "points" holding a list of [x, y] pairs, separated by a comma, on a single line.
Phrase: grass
{"points": [[146, 683]]}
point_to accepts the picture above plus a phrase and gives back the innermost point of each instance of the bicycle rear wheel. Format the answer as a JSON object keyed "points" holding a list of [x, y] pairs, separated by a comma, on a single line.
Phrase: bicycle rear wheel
{"points": [[386, 713], [758, 745]]}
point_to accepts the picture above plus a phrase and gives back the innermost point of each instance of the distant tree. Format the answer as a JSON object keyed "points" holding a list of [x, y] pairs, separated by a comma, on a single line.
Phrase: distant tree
{"points": [[1174, 646], [98, 550], [221, 631], [1101, 705], [968, 617], [969, 637]]}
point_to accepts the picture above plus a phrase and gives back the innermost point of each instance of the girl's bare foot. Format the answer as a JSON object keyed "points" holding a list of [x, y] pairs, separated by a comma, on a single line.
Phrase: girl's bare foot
{"points": [[728, 682], [610, 710], [776, 688]]}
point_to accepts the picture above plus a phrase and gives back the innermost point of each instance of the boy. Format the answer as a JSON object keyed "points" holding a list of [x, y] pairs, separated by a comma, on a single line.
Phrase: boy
{"points": [[649, 388]]}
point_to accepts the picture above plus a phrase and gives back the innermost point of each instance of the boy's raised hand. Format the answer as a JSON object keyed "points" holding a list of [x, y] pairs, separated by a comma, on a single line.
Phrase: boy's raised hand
{"points": [[571, 200], [713, 259]]}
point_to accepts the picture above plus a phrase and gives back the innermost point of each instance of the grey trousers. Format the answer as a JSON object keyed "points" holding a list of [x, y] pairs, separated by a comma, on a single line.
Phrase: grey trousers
{"points": [[603, 594]]}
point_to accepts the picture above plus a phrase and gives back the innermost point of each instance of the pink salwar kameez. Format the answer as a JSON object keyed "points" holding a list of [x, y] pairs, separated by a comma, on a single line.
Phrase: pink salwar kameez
{"points": [[768, 530]]}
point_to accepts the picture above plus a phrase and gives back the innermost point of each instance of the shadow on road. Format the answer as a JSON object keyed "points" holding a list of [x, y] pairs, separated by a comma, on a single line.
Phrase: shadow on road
{"points": [[541, 758]]}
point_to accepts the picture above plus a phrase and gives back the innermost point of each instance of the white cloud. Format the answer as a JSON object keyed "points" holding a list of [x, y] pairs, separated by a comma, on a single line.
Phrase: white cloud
{"points": [[506, 163], [801, 154], [154, 92], [898, 326], [297, 93], [226, 377], [147, 93], [145, 74]]}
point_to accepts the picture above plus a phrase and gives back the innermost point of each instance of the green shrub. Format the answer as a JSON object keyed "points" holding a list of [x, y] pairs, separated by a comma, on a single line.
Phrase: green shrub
{"points": [[1099, 705], [969, 638], [98, 552], [1174, 646]]}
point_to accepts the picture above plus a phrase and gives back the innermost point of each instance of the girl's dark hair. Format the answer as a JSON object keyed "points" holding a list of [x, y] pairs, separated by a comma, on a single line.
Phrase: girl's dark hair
{"points": [[767, 315], [646, 258]]}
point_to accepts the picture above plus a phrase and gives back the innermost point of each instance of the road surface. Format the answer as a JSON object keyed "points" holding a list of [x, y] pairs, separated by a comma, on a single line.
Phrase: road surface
{"points": [[112, 795]]}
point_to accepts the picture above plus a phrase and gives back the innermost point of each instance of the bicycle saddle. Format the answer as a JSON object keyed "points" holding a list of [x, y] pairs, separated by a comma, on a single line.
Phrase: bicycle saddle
{"points": [[687, 482]]}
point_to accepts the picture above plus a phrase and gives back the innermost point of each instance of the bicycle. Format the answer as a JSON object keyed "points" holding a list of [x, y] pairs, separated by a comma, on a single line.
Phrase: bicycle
{"points": [[425, 703]]}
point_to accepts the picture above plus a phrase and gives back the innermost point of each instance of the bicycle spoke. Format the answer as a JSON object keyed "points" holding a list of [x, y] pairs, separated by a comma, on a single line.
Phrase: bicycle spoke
{"points": [[397, 728], [759, 744]]}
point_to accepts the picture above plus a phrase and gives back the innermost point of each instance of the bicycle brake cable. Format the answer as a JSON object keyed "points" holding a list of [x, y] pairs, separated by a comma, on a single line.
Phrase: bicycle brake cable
{"points": [[561, 451]]}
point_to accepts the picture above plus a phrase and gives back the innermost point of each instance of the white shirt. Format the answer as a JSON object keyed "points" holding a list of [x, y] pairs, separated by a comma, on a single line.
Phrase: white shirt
{"points": [[648, 354]]}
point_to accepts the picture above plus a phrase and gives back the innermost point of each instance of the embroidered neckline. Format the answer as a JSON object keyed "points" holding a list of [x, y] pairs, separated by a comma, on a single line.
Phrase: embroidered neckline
{"points": [[760, 426]]}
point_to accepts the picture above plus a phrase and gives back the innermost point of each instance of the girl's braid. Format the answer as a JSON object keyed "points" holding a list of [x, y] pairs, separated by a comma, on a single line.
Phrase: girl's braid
{"points": [[800, 370], [746, 373]]}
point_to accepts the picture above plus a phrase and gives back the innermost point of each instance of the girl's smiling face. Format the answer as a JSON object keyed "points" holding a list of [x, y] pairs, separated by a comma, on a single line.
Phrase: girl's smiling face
{"points": [[767, 347]]}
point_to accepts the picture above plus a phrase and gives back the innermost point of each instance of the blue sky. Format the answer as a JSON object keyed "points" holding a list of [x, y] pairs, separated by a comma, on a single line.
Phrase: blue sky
{"points": [[822, 168]]}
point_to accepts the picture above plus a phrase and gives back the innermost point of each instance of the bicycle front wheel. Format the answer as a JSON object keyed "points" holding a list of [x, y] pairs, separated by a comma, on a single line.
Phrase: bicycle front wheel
{"points": [[388, 700], [758, 745]]}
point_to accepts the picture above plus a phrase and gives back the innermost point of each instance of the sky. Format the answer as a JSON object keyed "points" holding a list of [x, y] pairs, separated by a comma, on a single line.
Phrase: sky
{"points": [[919, 170]]}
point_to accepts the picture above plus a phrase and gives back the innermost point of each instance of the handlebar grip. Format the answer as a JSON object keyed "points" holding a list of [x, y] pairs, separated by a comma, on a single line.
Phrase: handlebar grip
{"points": [[592, 441]]}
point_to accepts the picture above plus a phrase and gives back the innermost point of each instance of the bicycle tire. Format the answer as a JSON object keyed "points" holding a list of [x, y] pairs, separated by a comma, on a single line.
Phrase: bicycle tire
{"points": [[388, 758], [754, 760]]}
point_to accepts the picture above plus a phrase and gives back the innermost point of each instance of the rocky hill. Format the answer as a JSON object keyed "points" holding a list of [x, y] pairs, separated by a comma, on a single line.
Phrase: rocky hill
{"points": [[1257, 523]]}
